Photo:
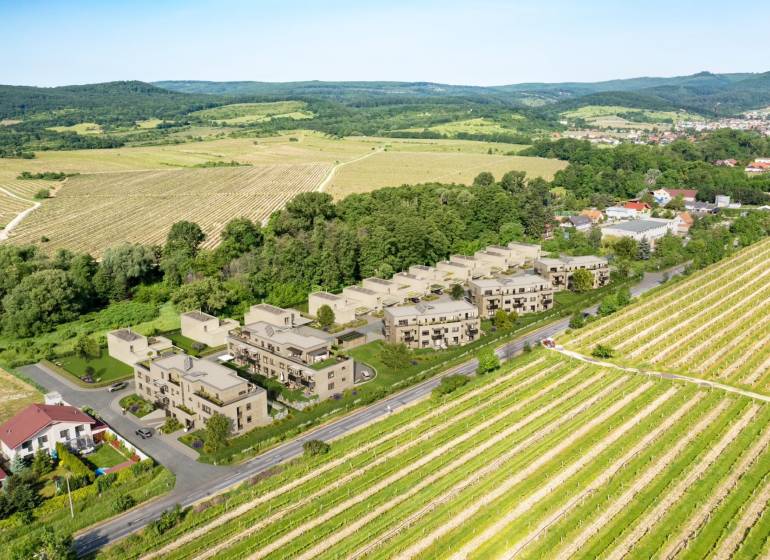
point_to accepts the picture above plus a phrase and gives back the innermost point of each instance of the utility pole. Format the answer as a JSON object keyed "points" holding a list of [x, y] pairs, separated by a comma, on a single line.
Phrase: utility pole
{"points": [[69, 494]]}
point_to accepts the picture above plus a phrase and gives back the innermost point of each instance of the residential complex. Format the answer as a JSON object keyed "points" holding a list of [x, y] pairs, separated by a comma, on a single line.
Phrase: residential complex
{"points": [[559, 271], [344, 309], [206, 329], [298, 357], [432, 324], [524, 293], [130, 347], [274, 315], [42, 426], [192, 389]]}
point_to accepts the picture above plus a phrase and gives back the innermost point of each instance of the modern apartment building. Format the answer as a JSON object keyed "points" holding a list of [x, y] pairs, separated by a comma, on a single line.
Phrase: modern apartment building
{"points": [[414, 285], [478, 267], [435, 324], [206, 329], [294, 356], [391, 290], [524, 293], [192, 389], [500, 258], [530, 251], [344, 309], [559, 271], [274, 315], [130, 347]]}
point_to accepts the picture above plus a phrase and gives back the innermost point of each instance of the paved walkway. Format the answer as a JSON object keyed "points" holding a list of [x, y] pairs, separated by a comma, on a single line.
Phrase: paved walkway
{"points": [[664, 375]]}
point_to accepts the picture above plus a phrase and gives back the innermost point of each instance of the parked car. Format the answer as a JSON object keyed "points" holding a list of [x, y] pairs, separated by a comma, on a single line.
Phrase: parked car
{"points": [[117, 386], [144, 433]]}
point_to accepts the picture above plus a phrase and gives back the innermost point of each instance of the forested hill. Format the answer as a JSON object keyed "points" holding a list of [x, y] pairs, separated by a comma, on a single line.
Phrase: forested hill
{"points": [[704, 92], [129, 100]]}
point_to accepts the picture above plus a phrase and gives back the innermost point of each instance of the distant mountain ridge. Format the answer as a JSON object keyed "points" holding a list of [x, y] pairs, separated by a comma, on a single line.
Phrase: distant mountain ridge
{"points": [[703, 92]]}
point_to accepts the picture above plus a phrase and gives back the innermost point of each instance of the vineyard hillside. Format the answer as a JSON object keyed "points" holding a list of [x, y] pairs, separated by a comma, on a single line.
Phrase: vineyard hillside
{"points": [[714, 324], [550, 458], [94, 211]]}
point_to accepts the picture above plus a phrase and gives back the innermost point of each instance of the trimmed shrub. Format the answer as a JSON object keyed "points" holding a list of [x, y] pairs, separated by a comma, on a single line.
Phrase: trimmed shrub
{"points": [[315, 447]]}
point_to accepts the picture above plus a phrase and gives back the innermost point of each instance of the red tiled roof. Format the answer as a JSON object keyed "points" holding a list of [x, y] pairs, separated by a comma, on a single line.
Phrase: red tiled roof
{"points": [[2, 474], [639, 206], [686, 218], [686, 193], [34, 418]]}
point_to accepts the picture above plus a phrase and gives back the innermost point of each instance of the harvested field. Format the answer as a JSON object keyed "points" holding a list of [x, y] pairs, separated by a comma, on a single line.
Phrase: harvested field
{"points": [[93, 212], [15, 395], [549, 458]]}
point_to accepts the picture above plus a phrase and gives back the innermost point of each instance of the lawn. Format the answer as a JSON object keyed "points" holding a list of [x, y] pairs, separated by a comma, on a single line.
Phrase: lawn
{"points": [[106, 368], [184, 343], [136, 405], [15, 395], [105, 457]]}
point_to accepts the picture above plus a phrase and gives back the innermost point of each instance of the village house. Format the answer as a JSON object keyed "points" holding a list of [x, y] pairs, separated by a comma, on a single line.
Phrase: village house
{"points": [[435, 324], [580, 223], [130, 347], [621, 213], [42, 426], [559, 271], [639, 207], [206, 329], [596, 216], [192, 390], [523, 293], [685, 223]]}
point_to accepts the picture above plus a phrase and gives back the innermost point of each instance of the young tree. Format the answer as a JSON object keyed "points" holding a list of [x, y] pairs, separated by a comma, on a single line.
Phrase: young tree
{"points": [[395, 356], [217, 432], [488, 361], [325, 316], [608, 305], [484, 179], [577, 321], [456, 291], [184, 237], [626, 248], [501, 320], [623, 297], [595, 237], [42, 462], [582, 280], [86, 347], [643, 253], [603, 352]]}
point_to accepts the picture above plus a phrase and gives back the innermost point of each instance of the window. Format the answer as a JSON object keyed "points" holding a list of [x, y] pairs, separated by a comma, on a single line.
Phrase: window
{"points": [[27, 446], [206, 409], [331, 386], [248, 406], [331, 375], [248, 419], [42, 440], [64, 434]]}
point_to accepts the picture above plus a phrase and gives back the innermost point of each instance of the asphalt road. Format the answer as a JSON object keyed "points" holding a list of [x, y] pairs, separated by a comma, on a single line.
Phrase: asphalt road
{"points": [[196, 481]]}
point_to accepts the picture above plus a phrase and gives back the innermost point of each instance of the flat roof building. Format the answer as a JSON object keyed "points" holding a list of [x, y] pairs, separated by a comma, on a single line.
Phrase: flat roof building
{"points": [[523, 293], [192, 390], [650, 228], [206, 329], [559, 271], [344, 309], [435, 324], [530, 251], [130, 347], [275, 316]]}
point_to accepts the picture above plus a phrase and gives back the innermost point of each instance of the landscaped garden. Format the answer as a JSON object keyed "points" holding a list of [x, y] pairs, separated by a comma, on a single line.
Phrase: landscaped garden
{"points": [[94, 371], [105, 457], [136, 405]]}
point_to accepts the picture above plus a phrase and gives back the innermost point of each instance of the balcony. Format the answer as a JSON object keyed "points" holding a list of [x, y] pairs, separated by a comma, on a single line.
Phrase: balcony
{"points": [[208, 397]]}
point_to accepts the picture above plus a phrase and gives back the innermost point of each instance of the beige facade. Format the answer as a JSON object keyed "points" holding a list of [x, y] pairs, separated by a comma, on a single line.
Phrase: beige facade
{"points": [[292, 357], [525, 293], [129, 347], [206, 329], [478, 267], [500, 257], [415, 286], [529, 251], [437, 324], [365, 298], [559, 271], [454, 272], [397, 292], [277, 316], [344, 309], [192, 389]]}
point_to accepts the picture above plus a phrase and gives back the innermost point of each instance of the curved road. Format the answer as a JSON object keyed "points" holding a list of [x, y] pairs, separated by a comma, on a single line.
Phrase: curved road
{"points": [[196, 481]]}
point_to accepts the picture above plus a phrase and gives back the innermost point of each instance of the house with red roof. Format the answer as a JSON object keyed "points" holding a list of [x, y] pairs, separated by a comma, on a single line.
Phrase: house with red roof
{"points": [[42, 426], [688, 195], [639, 207]]}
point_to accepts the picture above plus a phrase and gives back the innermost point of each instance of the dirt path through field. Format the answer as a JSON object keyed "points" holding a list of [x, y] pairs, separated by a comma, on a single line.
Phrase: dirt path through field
{"points": [[557, 481], [384, 483], [605, 476], [716, 497], [609, 511], [333, 171], [247, 506], [672, 496], [13, 224]]}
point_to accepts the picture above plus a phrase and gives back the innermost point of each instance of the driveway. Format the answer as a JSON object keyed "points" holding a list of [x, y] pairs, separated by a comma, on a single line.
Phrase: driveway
{"points": [[196, 481]]}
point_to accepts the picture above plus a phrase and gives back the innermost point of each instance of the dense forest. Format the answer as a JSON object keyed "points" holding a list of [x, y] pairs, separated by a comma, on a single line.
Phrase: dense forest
{"points": [[627, 170]]}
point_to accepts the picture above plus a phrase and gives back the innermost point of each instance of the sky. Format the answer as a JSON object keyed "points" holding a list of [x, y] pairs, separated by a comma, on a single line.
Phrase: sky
{"points": [[484, 42]]}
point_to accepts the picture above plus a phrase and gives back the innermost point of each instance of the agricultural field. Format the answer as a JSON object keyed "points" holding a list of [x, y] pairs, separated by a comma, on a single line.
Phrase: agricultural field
{"points": [[15, 395], [551, 458], [395, 168], [472, 126], [610, 117], [714, 324], [80, 128], [92, 212], [246, 113]]}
